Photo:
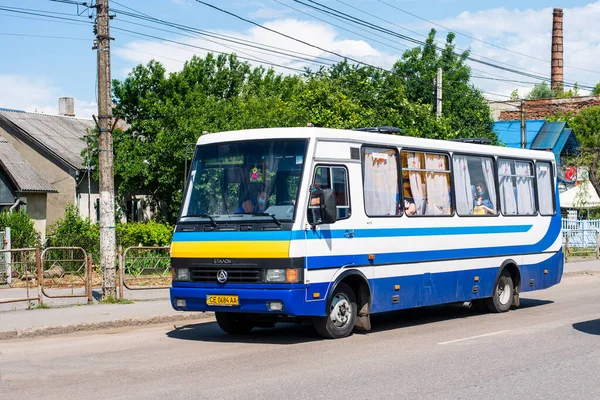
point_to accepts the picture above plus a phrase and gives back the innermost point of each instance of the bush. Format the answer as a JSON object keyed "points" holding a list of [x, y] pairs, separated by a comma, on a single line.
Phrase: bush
{"points": [[72, 230], [144, 234], [22, 232]]}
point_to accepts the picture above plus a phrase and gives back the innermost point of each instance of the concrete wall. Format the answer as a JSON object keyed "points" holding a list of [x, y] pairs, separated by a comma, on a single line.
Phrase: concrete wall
{"points": [[60, 179], [36, 209]]}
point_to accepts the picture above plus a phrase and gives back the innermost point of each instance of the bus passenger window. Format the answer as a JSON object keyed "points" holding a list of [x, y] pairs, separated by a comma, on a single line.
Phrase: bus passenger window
{"points": [[380, 182], [516, 187], [428, 177], [545, 188], [474, 185]]}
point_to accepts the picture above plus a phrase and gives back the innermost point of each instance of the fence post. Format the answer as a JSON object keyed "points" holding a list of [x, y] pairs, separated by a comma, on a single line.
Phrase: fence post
{"points": [[90, 279], [597, 245], [40, 275], [121, 272], [567, 247], [8, 256]]}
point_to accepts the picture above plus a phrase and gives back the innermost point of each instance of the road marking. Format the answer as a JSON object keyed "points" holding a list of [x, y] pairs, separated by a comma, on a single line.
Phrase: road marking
{"points": [[474, 337]]}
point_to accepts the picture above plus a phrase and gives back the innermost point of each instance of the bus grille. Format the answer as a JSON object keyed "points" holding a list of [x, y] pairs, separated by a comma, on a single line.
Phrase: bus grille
{"points": [[234, 275]]}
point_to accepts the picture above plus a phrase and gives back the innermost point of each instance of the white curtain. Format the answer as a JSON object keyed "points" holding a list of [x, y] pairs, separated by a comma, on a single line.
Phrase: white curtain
{"points": [[525, 199], [416, 183], [438, 189], [462, 186], [508, 201], [545, 190], [381, 182], [488, 175]]}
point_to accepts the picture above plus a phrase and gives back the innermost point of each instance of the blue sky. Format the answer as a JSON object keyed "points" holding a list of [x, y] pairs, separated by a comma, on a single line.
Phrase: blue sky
{"points": [[35, 71]]}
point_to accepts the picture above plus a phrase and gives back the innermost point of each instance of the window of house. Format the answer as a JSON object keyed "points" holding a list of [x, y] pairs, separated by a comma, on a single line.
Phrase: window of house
{"points": [[336, 178], [474, 185], [380, 181], [516, 187], [428, 188], [545, 188]]}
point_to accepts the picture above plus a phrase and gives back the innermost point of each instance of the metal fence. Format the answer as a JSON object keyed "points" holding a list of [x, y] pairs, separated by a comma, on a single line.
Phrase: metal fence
{"points": [[581, 237], [67, 272], [144, 267], [21, 269]]}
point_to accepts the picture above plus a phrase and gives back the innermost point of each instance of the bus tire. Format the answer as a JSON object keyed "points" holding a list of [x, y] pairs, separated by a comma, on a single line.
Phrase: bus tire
{"points": [[502, 299], [341, 314], [234, 323]]}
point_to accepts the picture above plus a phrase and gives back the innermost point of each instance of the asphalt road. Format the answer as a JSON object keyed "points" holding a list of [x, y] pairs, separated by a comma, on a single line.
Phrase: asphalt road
{"points": [[547, 349]]}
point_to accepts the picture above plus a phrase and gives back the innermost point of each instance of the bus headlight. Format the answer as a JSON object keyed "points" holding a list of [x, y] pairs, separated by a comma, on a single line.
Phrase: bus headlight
{"points": [[182, 274], [289, 275]]}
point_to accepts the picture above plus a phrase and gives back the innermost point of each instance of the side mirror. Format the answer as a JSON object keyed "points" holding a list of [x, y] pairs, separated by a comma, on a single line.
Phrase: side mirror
{"points": [[328, 211], [323, 207]]}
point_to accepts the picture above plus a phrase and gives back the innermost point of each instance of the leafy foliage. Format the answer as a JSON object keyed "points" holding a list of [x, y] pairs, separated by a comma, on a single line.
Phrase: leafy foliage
{"points": [[596, 90], [22, 231], [541, 91], [144, 234], [166, 113]]}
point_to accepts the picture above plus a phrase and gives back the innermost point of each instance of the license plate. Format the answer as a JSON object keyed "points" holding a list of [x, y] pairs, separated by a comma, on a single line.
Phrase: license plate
{"points": [[213, 300]]}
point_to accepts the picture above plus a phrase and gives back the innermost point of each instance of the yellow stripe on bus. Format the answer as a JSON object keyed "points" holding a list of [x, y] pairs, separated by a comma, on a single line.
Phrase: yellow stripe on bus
{"points": [[233, 249]]}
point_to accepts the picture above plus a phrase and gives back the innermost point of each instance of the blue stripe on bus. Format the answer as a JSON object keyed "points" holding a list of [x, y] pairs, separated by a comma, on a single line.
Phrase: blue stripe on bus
{"points": [[340, 233], [336, 261]]}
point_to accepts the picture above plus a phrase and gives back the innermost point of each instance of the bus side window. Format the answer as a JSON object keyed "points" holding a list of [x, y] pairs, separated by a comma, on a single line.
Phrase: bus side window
{"points": [[335, 178]]}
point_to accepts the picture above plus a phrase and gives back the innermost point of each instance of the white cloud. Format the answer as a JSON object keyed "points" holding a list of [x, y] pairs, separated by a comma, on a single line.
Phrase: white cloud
{"points": [[34, 94], [268, 13], [319, 34], [530, 32]]}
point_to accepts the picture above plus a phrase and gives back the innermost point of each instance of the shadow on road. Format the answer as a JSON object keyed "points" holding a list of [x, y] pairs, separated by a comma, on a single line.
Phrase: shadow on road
{"points": [[294, 334], [591, 327]]}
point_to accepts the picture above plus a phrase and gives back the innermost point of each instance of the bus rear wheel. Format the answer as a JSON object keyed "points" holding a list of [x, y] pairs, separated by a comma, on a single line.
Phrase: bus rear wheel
{"points": [[234, 323], [502, 298], [341, 315]]}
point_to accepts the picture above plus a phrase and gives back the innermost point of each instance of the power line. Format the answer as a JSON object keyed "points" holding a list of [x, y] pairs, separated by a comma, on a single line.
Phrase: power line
{"points": [[287, 36], [476, 39], [42, 36], [370, 25], [203, 48], [347, 30]]}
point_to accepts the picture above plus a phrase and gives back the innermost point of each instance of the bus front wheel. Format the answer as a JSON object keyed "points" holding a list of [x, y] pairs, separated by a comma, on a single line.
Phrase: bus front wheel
{"points": [[341, 315], [234, 323], [502, 298]]}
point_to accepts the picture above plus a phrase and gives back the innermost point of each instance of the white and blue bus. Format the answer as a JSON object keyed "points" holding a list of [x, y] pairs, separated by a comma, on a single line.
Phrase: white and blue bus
{"points": [[331, 226]]}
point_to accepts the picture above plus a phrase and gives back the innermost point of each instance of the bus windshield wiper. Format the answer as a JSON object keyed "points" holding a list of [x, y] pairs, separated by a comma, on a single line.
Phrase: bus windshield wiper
{"points": [[260, 214], [263, 214], [212, 220]]}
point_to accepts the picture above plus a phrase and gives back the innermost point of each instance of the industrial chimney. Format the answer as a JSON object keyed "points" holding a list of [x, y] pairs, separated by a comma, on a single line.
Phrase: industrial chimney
{"points": [[66, 106], [556, 77]]}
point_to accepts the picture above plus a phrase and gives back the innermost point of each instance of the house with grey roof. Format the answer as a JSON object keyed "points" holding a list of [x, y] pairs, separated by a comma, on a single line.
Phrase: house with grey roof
{"points": [[22, 187], [52, 145]]}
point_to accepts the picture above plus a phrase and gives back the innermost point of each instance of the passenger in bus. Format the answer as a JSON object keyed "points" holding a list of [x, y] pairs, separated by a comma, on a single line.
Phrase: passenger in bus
{"points": [[254, 206], [479, 190], [480, 208], [409, 203]]}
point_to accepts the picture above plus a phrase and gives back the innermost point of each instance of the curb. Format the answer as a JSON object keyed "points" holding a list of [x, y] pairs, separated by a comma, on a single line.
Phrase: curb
{"points": [[42, 331]]}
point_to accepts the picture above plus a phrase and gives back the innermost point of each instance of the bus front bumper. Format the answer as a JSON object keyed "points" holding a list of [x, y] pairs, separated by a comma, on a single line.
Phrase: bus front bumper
{"points": [[253, 300]]}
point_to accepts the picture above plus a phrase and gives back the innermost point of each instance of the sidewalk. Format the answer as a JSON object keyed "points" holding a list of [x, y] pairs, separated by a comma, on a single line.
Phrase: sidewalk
{"points": [[145, 310]]}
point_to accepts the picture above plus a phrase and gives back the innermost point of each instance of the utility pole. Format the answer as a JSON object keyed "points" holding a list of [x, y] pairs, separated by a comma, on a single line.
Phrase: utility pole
{"points": [[105, 153], [437, 82], [523, 136]]}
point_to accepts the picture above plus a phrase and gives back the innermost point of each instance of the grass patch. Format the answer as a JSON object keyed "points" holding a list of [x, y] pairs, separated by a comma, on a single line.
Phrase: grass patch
{"points": [[41, 306], [113, 300]]}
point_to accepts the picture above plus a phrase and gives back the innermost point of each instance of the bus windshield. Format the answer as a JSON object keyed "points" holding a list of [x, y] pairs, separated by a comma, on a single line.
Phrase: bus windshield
{"points": [[245, 181]]}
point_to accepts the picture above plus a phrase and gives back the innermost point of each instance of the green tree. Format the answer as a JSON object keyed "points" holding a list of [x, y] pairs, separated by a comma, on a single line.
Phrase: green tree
{"points": [[514, 95], [464, 106], [596, 90], [541, 91], [22, 231]]}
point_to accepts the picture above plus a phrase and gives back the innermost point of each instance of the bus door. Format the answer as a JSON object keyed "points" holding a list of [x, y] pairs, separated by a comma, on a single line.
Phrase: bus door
{"points": [[329, 246]]}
